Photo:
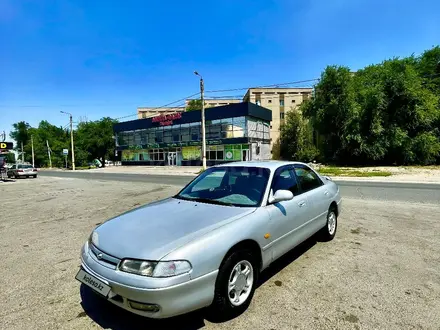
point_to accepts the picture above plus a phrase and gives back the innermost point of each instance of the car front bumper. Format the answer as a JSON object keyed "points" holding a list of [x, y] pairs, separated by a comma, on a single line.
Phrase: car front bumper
{"points": [[172, 300]]}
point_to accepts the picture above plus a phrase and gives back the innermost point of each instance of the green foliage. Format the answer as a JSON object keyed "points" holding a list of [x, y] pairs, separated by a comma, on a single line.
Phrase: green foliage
{"points": [[194, 105], [337, 171], [92, 140], [20, 133], [296, 141], [276, 150], [96, 137], [10, 157], [387, 113]]}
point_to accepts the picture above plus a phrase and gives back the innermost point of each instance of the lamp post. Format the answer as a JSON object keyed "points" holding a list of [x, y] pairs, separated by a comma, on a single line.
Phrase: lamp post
{"points": [[71, 138], [202, 90]]}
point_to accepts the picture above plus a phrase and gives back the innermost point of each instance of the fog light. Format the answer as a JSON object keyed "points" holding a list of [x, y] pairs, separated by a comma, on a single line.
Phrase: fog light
{"points": [[144, 307]]}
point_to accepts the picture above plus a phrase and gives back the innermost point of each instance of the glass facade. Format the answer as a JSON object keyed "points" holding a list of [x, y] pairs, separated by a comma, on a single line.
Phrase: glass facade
{"points": [[215, 129], [227, 139]]}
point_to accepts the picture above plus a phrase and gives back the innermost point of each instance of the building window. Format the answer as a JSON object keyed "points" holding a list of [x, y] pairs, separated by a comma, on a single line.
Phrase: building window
{"points": [[293, 101], [144, 115], [281, 103], [195, 132], [269, 101], [281, 115], [157, 154], [159, 136]]}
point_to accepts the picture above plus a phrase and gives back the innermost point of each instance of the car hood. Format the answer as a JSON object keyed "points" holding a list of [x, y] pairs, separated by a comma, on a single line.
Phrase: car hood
{"points": [[151, 232]]}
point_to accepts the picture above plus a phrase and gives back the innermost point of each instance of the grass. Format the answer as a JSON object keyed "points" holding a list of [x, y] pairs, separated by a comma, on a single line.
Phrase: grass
{"points": [[337, 171]]}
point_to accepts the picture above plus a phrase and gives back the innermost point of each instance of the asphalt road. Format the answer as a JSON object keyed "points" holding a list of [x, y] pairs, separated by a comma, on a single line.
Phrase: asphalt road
{"points": [[384, 191]]}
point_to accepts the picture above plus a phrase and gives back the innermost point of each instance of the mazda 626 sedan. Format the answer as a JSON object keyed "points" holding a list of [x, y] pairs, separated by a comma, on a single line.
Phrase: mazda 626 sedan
{"points": [[207, 245]]}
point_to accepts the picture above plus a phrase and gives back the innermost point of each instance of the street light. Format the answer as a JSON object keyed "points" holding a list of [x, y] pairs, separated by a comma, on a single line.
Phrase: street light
{"points": [[202, 90], [71, 138]]}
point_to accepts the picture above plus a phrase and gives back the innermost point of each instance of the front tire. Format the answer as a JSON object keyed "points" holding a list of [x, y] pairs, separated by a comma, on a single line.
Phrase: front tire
{"points": [[235, 285], [329, 231]]}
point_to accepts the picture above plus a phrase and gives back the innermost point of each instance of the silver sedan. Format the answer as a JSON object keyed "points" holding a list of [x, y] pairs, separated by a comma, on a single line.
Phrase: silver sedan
{"points": [[207, 245], [22, 171]]}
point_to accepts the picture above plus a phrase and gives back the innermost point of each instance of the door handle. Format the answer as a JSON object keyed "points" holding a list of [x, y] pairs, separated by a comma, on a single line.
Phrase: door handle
{"points": [[301, 204], [326, 192]]}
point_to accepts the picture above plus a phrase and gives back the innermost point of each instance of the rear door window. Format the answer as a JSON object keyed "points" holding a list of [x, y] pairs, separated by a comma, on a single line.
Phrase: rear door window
{"points": [[307, 178]]}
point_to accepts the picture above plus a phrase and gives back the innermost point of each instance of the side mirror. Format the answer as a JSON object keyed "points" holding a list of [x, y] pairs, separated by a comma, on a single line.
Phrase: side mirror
{"points": [[327, 178], [280, 196]]}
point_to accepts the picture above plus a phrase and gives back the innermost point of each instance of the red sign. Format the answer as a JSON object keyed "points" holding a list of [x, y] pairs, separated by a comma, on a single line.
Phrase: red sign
{"points": [[165, 120]]}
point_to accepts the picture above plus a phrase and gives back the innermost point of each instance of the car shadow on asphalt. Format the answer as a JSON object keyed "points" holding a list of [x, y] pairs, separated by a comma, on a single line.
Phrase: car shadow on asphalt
{"points": [[286, 260], [109, 316], [7, 180]]}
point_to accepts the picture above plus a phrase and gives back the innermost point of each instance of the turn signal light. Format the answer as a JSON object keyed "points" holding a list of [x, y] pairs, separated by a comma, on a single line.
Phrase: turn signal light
{"points": [[144, 307]]}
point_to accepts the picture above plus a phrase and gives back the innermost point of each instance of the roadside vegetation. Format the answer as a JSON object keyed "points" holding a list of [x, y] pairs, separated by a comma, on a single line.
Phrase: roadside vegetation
{"points": [[93, 140], [352, 172], [383, 114]]}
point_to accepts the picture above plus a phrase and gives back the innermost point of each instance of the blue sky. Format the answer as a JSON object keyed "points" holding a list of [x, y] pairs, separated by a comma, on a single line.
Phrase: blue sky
{"points": [[104, 58]]}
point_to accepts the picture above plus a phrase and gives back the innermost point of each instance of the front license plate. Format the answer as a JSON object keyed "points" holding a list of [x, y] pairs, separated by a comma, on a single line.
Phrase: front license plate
{"points": [[93, 282]]}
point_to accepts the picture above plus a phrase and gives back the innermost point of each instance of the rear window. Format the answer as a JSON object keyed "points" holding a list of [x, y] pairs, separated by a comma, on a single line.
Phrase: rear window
{"points": [[25, 166]]}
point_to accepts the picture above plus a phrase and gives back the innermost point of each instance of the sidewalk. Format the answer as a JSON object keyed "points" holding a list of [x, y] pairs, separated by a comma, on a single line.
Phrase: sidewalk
{"points": [[399, 174], [156, 170]]}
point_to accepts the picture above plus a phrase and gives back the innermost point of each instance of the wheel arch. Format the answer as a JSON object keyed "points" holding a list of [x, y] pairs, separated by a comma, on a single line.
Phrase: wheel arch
{"points": [[334, 206], [246, 244]]}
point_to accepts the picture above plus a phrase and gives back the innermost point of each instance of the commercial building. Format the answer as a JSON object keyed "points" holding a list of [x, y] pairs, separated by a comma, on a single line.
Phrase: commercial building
{"points": [[239, 131], [279, 101]]}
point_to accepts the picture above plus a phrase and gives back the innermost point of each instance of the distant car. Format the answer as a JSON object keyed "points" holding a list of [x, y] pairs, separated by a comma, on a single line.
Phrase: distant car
{"points": [[22, 171], [207, 245]]}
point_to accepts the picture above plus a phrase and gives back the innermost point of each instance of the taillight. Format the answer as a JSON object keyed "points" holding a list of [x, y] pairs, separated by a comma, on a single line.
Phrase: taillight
{"points": [[35, 170], [20, 171]]}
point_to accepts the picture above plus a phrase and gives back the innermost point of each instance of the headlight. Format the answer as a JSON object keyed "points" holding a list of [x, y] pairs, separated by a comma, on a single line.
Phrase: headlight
{"points": [[155, 269]]}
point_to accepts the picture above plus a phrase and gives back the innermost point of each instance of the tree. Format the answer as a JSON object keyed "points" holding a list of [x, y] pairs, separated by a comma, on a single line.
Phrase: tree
{"points": [[296, 141], [333, 113], [194, 105], [20, 133], [428, 66], [96, 138], [382, 114], [276, 150]]}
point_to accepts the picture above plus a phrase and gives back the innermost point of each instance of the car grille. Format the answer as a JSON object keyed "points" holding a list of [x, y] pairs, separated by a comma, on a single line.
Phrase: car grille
{"points": [[104, 258]]}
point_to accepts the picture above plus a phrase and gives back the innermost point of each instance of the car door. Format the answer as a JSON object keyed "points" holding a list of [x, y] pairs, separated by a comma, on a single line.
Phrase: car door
{"points": [[312, 187], [287, 217]]}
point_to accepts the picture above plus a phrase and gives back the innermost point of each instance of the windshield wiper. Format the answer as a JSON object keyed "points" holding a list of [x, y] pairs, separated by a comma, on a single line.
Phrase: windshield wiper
{"points": [[211, 201], [204, 200]]}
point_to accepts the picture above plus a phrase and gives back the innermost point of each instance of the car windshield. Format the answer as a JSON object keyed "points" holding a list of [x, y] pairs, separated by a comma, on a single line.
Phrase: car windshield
{"points": [[24, 166], [228, 185]]}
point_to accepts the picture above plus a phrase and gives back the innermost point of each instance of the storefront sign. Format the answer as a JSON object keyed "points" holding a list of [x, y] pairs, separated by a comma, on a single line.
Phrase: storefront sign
{"points": [[6, 145], [166, 120]]}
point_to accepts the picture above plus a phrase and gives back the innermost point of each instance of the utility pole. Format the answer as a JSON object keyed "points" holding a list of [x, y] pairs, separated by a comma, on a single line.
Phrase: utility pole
{"points": [[22, 153], [48, 152], [202, 90], [71, 139], [33, 158]]}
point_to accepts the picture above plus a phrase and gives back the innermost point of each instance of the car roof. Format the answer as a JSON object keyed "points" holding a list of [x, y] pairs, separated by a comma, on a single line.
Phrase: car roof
{"points": [[270, 164]]}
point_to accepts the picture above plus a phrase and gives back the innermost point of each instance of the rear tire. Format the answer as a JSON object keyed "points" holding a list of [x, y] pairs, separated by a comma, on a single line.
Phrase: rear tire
{"points": [[34, 176], [328, 232], [235, 285]]}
